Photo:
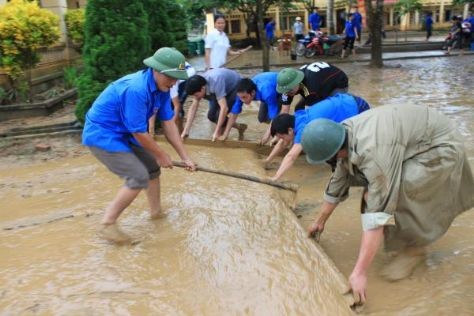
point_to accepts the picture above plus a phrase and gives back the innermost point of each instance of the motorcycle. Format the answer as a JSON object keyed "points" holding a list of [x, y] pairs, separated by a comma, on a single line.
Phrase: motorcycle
{"points": [[315, 47], [317, 43], [302, 43]]}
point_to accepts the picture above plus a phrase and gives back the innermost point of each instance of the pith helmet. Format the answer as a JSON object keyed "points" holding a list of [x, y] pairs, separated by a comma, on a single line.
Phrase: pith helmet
{"points": [[168, 61], [322, 139], [288, 78]]}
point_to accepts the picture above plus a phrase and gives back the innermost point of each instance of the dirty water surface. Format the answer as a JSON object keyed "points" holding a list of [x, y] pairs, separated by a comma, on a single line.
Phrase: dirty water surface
{"points": [[225, 246]]}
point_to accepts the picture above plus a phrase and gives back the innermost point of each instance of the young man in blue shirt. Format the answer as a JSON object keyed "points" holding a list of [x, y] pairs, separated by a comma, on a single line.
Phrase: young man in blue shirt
{"points": [[350, 31], [116, 132], [261, 87], [428, 25], [315, 20], [270, 32], [357, 22], [289, 128]]}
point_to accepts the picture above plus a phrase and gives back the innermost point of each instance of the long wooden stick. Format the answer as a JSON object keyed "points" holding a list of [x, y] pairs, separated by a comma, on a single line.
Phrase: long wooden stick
{"points": [[237, 56], [285, 186]]}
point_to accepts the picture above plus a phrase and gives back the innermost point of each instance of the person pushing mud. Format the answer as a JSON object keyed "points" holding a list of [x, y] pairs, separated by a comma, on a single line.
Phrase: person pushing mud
{"points": [[412, 162], [116, 132]]}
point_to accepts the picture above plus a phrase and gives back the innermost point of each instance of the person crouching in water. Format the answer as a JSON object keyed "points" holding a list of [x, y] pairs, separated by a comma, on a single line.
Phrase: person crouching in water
{"points": [[412, 162], [289, 128]]}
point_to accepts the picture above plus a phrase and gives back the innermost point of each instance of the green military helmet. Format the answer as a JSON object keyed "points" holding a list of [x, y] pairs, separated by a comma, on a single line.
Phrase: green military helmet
{"points": [[322, 139], [168, 61], [288, 79]]}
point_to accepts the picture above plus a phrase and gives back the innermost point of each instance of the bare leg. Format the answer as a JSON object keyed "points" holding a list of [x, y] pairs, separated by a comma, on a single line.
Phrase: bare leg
{"points": [[154, 198], [122, 200], [109, 230]]}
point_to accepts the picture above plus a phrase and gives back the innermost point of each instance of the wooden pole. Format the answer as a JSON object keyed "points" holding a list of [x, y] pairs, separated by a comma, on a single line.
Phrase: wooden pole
{"points": [[285, 186]]}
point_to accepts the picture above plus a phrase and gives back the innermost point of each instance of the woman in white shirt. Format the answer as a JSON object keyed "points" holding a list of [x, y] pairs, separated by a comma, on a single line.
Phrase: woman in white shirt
{"points": [[217, 45]]}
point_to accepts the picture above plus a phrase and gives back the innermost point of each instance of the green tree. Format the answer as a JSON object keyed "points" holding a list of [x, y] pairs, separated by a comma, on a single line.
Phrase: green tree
{"points": [[116, 40], [256, 9], [166, 24], [196, 9], [75, 27], [160, 22], [24, 29], [176, 12]]}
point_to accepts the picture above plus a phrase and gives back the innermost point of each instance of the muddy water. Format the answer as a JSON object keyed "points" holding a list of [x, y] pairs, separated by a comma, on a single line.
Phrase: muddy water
{"points": [[226, 246]]}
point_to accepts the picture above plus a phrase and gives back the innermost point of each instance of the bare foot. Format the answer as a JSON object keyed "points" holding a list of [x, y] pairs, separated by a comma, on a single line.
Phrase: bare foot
{"points": [[112, 233], [241, 128], [404, 264]]}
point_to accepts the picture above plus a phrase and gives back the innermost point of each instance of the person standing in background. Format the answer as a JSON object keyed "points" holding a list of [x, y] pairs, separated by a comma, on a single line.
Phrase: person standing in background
{"points": [[357, 22], [217, 45], [270, 32], [350, 31], [298, 29], [315, 20], [428, 25]]}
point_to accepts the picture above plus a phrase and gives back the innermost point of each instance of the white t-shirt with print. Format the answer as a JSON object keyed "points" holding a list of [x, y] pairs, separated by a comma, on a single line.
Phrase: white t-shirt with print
{"points": [[219, 44]]}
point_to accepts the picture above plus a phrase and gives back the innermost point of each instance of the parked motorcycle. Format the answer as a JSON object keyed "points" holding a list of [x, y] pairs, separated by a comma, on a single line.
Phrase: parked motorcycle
{"points": [[317, 43], [302, 43]]}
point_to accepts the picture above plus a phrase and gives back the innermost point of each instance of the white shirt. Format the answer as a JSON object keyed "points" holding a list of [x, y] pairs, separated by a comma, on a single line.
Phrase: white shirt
{"points": [[190, 71], [219, 44]]}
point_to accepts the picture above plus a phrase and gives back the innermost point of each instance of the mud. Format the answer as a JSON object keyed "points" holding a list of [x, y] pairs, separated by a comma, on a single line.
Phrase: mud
{"points": [[226, 246]]}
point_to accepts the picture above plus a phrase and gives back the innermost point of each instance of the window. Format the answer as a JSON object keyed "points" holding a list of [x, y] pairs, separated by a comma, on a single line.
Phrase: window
{"points": [[235, 26], [284, 23], [447, 16]]}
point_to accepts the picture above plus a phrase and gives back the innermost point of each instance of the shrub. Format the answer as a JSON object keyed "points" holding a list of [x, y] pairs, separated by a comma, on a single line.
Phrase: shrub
{"points": [[116, 40], [24, 28], [70, 75], [75, 27]]}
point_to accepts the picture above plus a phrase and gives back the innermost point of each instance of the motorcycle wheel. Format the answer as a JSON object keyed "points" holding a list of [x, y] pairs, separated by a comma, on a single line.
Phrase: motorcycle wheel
{"points": [[310, 52], [300, 49]]}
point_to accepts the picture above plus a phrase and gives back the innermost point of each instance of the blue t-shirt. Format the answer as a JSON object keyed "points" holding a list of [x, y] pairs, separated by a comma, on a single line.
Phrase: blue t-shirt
{"points": [[269, 28], [314, 21], [337, 108], [123, 108], [266, 83], [357, 20], [471, 20], [350, 29], [429, 22]]}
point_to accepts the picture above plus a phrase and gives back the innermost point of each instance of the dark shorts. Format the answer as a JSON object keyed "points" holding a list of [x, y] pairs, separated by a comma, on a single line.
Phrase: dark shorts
{"points": [[349, 42], [137, 167], [215, 109]]}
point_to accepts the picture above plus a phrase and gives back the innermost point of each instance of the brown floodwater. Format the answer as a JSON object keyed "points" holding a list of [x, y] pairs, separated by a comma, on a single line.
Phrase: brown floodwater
{"points": [[226, 246]]}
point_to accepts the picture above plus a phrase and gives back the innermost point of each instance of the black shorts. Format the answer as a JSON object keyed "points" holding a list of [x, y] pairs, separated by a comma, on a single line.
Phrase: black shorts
{"points": [[349, 42], [215, 109]]}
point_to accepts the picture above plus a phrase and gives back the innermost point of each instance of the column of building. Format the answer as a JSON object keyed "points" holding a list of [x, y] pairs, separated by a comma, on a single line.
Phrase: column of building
{"points": [[58, 7]]}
